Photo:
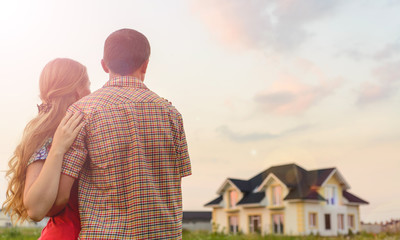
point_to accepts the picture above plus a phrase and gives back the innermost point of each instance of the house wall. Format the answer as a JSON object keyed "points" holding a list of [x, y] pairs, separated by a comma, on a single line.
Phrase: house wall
{"points": [[247, 212], [296, 218], [291, 218], [219, 220], [313, 207], [355, 211]]}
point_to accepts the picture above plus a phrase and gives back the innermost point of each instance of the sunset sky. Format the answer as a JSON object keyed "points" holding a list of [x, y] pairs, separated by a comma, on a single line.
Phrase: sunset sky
{"points": [[259, 83]]}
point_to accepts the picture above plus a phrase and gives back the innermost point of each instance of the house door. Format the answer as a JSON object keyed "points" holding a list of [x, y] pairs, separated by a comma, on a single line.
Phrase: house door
{"points": [[277, 223]]}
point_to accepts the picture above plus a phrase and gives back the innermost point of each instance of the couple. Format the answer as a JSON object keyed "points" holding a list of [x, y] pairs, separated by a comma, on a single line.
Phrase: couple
{"points": [[111, 167]]}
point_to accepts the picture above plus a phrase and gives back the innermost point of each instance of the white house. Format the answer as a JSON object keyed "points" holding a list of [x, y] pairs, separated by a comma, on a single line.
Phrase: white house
{"points": [[5, 221], [287, 199]]}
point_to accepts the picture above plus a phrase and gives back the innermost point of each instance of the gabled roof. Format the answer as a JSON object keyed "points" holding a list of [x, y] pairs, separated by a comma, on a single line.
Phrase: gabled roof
{"points": [[319, 176], [214, 202], [243, 185], [252, 198], [289, 174], [353, 199], [300, 182]]}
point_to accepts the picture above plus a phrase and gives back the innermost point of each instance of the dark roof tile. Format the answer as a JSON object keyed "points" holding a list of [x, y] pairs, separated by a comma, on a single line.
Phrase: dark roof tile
{"points": [[252, 198], [214, 202], [243, 185], [353, 199]]}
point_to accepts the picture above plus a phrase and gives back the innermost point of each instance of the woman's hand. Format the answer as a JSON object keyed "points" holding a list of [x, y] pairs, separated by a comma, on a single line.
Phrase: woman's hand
{"points": [[67, 131]]}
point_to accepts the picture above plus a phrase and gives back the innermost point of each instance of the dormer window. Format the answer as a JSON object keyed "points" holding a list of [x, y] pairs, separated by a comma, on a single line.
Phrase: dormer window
{"points": [[277, 195], [331, 195], [233, 198]]}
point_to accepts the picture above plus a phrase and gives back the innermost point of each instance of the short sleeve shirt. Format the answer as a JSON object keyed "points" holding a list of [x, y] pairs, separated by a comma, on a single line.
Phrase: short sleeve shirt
{"points": [[41, 153], [130, 158]]}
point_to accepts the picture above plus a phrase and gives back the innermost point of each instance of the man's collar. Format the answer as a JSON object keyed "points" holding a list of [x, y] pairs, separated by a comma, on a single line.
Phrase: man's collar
{"points": [[125, 81]]}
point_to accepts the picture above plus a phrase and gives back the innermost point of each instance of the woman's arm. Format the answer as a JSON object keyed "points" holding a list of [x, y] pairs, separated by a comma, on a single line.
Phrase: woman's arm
{"points": [[42, 178], [64, 190]]}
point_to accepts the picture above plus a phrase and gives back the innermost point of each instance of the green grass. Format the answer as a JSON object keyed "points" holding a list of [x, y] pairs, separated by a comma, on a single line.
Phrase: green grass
{"points": [[199, 235], [20, 233]]}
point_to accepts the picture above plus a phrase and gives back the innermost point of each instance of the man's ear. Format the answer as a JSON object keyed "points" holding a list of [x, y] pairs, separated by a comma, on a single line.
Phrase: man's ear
{"points": [[143, 68], [105, 68]]}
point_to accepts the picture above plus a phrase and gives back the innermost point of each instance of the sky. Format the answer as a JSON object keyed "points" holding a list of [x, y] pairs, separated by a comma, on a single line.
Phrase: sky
{"points": [[259, 83]]}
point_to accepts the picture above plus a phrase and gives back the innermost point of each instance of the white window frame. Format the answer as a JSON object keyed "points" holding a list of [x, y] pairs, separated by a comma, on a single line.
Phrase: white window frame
{"points": [[331, 195], [313, 220], [235, 228], [251, 223], [351, 221], [340, 221], [276, 195]]}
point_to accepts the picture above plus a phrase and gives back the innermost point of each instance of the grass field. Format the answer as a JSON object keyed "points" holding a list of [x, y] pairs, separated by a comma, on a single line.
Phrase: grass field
{"points": [[34, 233], [217, 236]]}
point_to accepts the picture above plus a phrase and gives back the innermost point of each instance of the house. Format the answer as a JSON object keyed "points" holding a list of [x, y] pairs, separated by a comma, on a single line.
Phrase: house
{"points": [[5, 221], [374, 228], [287, 199], [194, 221], [392, 226]]}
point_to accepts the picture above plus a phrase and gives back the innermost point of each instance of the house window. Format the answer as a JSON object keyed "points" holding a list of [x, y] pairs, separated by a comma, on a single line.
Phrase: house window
{"points": [[351, 220], [340, 218], [330, 195], [327, 221], [312, 220], [233, 224], [233, 198], [255, 224], [276, 195], [277, 223]]}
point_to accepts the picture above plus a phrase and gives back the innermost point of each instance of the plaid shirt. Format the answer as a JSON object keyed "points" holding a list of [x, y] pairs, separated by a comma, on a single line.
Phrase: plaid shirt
{"points": [[130, 158]]}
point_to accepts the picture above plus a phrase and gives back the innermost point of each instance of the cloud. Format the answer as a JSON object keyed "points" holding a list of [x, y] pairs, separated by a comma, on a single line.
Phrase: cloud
{"points": [[372, 92], [387, 84], [388, 51], [258, 136], [276, 24], [288, 96]]}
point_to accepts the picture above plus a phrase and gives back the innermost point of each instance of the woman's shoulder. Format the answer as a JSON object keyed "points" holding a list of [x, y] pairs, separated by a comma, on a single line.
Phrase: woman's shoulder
{"points": [[42, 152]]}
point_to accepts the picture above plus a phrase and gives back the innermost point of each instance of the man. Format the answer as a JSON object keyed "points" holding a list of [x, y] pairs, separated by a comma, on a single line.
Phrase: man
{"points": [[131, 154]]}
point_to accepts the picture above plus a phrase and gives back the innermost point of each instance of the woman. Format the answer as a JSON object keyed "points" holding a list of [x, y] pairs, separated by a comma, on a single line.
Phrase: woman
{"points": [[35, 168]]}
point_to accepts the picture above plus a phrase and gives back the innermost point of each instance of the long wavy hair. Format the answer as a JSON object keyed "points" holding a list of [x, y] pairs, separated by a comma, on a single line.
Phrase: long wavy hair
{"points": [[61, 82]]}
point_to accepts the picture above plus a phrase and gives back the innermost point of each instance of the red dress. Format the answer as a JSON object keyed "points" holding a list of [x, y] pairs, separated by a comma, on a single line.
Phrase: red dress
{"points": [[66, 225]]}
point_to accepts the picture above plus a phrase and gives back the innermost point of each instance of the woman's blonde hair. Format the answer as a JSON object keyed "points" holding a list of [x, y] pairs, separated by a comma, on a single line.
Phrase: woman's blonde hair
{"points": [[60, 83]]}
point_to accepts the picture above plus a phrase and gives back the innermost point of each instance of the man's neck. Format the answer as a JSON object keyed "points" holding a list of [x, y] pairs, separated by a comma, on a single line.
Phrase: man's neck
{"points": [[134, 75]]}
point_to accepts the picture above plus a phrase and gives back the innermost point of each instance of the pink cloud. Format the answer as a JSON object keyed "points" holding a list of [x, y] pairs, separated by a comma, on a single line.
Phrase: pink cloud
{"points": [[386, 84], [289, 96], [277, 25], [371, 92]]}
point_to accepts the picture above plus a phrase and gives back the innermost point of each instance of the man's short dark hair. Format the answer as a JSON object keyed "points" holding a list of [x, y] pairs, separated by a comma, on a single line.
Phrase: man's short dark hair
{"points": [[125, 50]]}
